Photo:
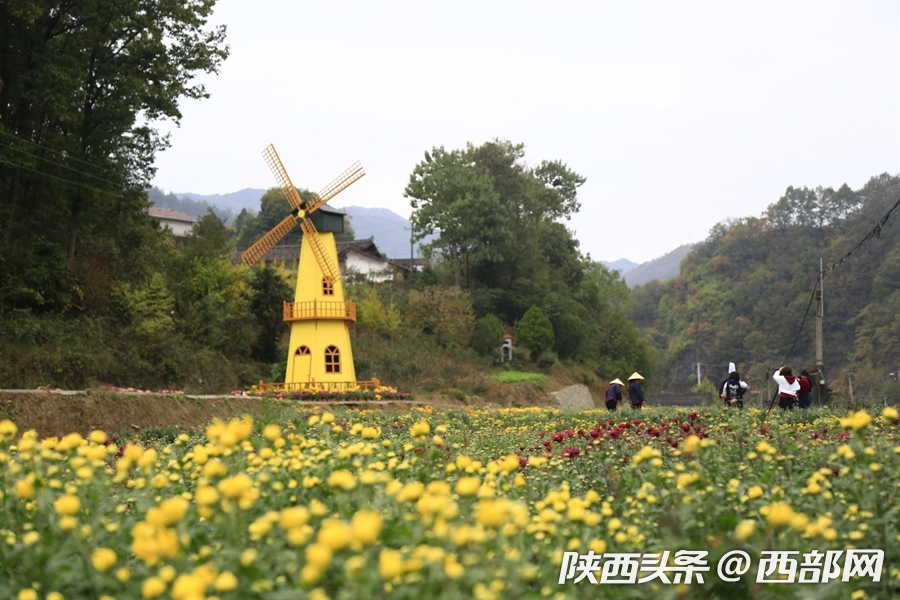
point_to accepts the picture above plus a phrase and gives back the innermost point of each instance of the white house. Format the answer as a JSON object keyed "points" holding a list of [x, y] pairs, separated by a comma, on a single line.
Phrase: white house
{"points": [[180, 223], [362, 257], [355, 257]]}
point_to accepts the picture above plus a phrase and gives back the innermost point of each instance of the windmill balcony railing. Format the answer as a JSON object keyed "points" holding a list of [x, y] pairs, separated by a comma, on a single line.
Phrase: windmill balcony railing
{"points": [[314, 310]]}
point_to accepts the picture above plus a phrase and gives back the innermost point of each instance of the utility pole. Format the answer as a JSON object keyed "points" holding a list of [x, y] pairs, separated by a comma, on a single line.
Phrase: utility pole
{"points": [[850, 380], [411, 255], [820, 313]]}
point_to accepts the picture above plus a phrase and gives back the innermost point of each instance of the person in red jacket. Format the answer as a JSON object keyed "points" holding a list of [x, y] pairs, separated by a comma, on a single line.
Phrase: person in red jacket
{"points": [[804, 394]]}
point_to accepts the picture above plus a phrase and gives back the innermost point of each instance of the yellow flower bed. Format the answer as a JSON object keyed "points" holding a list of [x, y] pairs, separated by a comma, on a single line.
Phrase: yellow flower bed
{"points": [[420, 503]]}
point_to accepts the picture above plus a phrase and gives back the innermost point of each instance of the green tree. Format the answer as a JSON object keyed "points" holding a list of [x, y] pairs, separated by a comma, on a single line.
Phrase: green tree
{"points": [[488, 335], [495, 220], [535, 331], [445, 313], [449, 196], [370, 310], [83, 84], [270, 291]]}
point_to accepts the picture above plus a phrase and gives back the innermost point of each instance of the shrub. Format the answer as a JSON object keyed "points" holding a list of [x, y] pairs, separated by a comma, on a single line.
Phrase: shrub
{"points": [[443, 312], [547, 359], [535, 331], [488, 335]]}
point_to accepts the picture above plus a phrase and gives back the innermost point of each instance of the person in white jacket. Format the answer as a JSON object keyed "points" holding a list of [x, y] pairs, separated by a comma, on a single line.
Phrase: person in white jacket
{"points": [[788, 386]]}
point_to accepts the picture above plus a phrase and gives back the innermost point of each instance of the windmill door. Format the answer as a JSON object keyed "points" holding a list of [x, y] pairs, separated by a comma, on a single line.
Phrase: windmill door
{"points": [[302, 364]]}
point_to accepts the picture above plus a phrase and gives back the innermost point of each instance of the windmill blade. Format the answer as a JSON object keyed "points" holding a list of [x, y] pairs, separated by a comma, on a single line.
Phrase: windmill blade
{"points": [[329, 270], [281, 176], [343, 181], [251, 255]]}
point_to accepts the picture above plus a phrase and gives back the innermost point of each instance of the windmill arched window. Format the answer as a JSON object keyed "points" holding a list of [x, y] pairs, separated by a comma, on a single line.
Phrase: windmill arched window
{"points": [[327, 288], [332, 360], [302, 351]]}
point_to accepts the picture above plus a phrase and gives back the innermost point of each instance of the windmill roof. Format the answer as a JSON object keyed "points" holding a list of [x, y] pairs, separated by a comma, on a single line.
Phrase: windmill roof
{"points": [[331, 209]]}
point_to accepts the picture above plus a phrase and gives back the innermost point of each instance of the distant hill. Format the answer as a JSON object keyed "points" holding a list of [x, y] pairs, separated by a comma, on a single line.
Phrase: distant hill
{"points": [[662, 268], [390, 230], [247, 198], [623, 265]]}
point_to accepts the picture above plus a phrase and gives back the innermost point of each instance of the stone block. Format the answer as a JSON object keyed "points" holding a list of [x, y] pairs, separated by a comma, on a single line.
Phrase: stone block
{"points": [[574, 396]]}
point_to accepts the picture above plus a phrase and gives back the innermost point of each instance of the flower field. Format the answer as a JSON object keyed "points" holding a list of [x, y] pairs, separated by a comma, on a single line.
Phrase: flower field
{"points": [[420, 503]]}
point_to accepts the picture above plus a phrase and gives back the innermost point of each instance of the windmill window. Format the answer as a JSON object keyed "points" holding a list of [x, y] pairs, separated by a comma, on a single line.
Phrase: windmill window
{"points": [[332, 360], [302, 351], [327, 288]]}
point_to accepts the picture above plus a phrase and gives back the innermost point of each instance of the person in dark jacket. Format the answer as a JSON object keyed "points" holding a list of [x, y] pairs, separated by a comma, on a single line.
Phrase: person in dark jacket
{"points": [[732, 390], [634, 390], [614, 394], [804, 395], [788, 386]]}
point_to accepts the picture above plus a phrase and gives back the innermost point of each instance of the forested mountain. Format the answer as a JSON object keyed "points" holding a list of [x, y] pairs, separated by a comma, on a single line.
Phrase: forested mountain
{"points": [[662, 268], [742, 294]]}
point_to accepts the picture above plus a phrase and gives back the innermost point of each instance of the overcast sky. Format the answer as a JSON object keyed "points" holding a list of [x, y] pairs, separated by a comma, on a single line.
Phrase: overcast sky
{"points": [[679, 114]]}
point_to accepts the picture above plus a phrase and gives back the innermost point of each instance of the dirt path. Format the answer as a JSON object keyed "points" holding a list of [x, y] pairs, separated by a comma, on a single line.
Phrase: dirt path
{"points": [[59, 412]]}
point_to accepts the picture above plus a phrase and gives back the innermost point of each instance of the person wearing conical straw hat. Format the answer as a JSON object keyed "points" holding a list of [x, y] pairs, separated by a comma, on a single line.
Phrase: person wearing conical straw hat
{"points": [[614, 394], [634, 390]]}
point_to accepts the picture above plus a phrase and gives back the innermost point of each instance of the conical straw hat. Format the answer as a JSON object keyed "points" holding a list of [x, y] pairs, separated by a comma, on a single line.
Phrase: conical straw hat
{"points": [[616, 380], [635, 375]]}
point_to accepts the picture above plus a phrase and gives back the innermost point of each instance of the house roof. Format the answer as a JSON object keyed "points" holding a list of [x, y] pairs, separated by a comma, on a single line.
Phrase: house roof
{"points": [[366, 247], [403, 263], [169, 214]]}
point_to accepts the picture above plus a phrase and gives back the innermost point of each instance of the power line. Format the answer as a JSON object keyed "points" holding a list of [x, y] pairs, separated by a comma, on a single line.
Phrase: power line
{"points": [[874, 232], [52, 162], [99, 191], [63, 154]]}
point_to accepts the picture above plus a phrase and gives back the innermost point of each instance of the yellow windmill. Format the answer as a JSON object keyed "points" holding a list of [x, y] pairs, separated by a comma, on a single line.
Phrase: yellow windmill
{"points": [[319, 352]]}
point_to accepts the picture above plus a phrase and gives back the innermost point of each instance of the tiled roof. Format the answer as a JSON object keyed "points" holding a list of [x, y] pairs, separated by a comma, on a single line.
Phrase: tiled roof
{"points": [[403, 263], [366, 247], [168, 213]]}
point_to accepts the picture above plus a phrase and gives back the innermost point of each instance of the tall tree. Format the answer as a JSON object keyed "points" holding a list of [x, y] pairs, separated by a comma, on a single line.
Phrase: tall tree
{"points": [[449, 196], [84, 82]]}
